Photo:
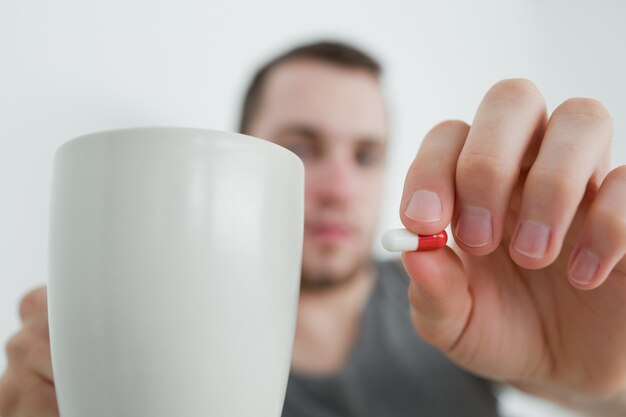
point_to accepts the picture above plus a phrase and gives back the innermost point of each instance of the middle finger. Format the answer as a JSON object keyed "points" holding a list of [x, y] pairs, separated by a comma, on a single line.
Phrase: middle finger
{"points": [[511, 117]]}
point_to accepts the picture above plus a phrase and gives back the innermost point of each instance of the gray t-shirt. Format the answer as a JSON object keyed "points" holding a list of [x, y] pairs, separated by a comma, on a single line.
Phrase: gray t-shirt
{"points": [[391, 371]]}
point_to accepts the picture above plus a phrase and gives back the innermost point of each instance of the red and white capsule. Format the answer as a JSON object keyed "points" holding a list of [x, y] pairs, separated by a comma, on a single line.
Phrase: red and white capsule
{"points": [[402, 240]]}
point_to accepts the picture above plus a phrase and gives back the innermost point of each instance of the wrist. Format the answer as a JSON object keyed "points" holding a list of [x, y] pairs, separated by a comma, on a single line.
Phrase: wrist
{"points": [[607, 405]]}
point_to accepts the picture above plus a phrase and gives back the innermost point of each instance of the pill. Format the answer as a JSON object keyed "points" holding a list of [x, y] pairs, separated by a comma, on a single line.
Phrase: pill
{"points": [[402, 240]]}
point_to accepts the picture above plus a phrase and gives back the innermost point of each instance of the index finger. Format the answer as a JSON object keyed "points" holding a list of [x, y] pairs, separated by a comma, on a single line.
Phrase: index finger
{"points": [[428, 196]]}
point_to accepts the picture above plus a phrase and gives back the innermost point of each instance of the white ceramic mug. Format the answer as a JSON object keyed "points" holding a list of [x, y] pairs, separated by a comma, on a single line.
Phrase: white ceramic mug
{"points": [[174, 271]]}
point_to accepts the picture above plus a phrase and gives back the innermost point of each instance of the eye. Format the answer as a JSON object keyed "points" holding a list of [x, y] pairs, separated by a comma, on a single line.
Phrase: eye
{"points": [[367, 157], [303, 150]]}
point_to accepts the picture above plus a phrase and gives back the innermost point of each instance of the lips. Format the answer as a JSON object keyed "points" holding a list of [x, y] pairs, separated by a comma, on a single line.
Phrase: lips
{"points": [[328, 232]]}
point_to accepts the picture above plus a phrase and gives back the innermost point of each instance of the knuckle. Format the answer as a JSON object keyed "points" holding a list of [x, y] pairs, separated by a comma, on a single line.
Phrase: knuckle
{"points": [[583, 110], [516, 89], [17, 346], [554, 184], [481, 169], [33, 302], [613, 224], [450, 134]]}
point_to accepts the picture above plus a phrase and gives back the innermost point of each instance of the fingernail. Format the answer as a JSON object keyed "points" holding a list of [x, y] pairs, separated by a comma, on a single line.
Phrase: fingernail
{"points": [[474, 227], [532, 239], [424, 206], [584, 267]]}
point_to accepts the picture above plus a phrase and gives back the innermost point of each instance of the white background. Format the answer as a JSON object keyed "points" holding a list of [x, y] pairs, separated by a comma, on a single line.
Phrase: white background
{"points": [[71, 67]]}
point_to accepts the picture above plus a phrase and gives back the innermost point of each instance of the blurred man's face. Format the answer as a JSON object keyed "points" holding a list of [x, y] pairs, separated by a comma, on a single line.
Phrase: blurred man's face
{"points": [[334, 118]]}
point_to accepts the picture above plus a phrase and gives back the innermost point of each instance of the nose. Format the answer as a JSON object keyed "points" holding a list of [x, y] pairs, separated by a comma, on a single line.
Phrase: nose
{"points": [[333, 182]]}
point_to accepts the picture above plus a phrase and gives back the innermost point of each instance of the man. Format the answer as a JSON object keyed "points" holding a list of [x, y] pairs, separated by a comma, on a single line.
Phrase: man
{"points": [[533, 294]]}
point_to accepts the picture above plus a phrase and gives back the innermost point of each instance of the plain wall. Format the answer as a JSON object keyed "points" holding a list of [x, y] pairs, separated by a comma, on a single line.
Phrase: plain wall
{"points": [[71, 67]]}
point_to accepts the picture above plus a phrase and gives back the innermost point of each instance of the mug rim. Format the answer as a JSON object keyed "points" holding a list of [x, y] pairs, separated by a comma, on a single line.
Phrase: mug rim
{"points": [[264, 144]]}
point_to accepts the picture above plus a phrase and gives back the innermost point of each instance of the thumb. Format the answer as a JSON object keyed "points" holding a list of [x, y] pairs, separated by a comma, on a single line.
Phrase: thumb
{"points": [[440, 298]]}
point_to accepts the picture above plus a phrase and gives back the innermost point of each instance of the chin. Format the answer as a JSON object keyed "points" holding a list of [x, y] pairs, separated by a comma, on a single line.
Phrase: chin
{"points": [[322, 269]]}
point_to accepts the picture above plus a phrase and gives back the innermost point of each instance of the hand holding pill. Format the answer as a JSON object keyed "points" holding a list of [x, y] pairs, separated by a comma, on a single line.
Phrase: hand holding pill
{"points": [[534, 290]]}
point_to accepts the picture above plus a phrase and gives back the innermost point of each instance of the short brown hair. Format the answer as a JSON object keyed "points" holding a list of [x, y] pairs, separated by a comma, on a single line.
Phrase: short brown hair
{"points": [[333, 52]]}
